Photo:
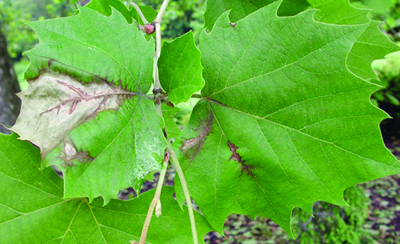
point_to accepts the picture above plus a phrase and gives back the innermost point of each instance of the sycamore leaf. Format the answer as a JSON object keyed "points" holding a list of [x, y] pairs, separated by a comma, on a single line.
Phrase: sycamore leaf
{"points": [[103, 136], [370, 45], [180, 68], [100, 152], [283, 122], [90, 46], [32, 209]]}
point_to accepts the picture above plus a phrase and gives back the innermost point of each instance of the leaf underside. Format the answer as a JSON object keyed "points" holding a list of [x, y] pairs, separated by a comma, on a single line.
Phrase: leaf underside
{"points": [[283, 122]]}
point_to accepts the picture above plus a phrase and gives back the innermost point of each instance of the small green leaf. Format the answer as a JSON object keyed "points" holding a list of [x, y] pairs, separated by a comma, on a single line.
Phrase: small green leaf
{"points": [[32, 209], [180, 68]]}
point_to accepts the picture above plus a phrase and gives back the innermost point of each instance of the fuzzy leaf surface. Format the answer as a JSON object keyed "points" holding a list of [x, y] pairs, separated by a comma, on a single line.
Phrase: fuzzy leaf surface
{"points": [[283, 122], [32, 209], [180, 68], [90, 46]]}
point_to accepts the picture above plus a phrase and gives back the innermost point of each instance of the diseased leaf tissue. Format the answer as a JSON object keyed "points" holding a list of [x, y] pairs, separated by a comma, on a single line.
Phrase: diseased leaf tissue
{"points": [[54, 104]]}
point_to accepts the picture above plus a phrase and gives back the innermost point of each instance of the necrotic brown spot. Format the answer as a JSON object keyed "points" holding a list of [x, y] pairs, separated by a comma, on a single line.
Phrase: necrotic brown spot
{"points": [[236, 157], [191, 147]]}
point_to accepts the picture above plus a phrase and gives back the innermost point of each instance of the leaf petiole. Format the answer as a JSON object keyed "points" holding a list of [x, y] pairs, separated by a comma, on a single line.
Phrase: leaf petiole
{"points": [[139, 12], [155, 202], [177, 166]]}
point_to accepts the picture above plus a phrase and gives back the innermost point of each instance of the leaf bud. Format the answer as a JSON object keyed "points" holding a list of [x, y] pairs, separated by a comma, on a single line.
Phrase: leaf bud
{"points": [[149, 28]]}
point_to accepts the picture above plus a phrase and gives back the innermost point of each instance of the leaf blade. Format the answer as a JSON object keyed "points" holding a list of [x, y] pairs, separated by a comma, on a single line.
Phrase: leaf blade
{"points": [[180, 69], [285, 133], [75, 220]]}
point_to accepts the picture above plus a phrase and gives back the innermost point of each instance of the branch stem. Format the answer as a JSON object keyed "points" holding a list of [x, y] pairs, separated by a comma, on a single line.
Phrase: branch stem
{"points": [[157, 25], [162, 11], [157, 85], [155, 201], [177, 166], [139, 12]]}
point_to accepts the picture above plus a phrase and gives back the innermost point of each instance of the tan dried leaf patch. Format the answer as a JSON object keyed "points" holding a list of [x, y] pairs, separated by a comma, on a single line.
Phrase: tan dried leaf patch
{"points": [[55, 104]]}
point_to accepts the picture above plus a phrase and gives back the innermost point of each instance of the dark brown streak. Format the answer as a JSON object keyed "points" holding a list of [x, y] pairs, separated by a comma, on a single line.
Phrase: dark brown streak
{"points": [[83, 96], [235, 156], [217, 102], [197, 143]]}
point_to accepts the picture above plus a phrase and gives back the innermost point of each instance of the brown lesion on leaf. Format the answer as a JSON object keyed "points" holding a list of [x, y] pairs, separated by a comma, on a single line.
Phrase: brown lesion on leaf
{"points": [[236, 157], [82, 96], [71, 155], [191, 147]]}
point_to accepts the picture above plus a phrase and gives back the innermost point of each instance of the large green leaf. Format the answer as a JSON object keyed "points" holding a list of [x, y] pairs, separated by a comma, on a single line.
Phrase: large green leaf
{"points": [[100, 134], [283, 122], [32, 209], [91, 47], [180, 68], [100, 152]]}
